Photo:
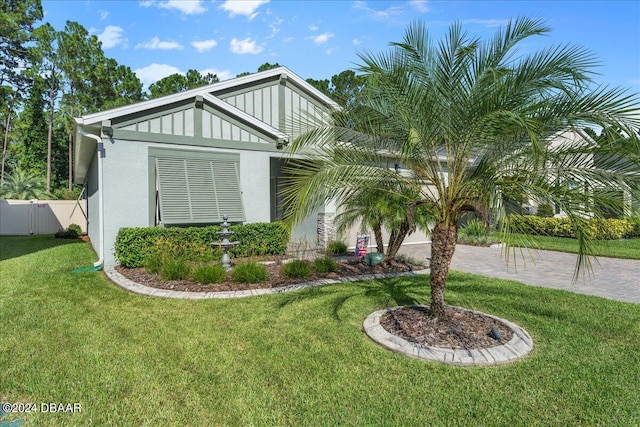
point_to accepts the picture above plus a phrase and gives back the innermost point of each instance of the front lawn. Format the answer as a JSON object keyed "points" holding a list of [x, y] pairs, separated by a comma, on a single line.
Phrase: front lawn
{"points": [[298, 358], [624, 248]]}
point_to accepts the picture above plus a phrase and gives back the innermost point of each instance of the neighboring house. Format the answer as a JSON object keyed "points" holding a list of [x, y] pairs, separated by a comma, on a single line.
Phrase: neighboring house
{"points": [[189, 158]]}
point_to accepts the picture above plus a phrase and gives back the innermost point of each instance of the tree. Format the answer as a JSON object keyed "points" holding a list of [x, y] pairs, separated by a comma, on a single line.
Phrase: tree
{"points": [[177, 82], [23, 185], [17, 18], [343, 88], [472, 120]]}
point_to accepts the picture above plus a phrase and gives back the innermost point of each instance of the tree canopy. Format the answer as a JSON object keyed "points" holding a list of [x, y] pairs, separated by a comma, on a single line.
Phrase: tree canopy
{"points": [[475, 122]]}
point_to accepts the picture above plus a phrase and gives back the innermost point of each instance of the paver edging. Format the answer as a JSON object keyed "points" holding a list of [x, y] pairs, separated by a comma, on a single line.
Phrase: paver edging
{"points": [[131, 286], [518, 347]]}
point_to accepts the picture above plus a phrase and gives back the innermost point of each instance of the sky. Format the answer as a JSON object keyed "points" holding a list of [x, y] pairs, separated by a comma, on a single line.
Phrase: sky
{"points": [[317, 39]]}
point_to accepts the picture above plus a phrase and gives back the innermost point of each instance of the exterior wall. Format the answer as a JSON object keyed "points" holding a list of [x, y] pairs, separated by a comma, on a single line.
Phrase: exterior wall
{"points": [[93, 213], [128, 199]]}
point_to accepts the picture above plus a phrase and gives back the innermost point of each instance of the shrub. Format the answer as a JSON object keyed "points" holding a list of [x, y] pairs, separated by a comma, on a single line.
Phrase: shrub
{"points": [[598, 229], [325, 265], [174, 269], [545, 211], [72, 232], [249, 272], [209, 274], [336, 248], [635, 223], [194, 243], [296, 269], [475, 228]]}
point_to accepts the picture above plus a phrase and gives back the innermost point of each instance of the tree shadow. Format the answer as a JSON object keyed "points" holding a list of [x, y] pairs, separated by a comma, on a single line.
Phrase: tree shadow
{"points": [[380, 292], [17, 246]]}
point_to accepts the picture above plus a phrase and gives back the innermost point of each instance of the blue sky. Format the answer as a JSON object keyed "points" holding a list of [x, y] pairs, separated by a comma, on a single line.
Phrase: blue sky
{"points": [[317, 39]]}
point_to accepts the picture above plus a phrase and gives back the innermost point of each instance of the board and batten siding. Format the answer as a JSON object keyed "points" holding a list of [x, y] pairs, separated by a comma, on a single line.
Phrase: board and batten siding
{"points": [[179, 123], [262, 103], [216, 127]]}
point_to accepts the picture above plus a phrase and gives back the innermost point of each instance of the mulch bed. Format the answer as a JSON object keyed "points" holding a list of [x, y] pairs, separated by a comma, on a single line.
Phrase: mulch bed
{"points": [[349, 268], [459, 329]]}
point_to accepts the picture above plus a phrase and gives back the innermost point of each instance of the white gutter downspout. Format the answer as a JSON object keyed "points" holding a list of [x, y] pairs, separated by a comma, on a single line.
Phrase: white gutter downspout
{"points": [[100, 193]]}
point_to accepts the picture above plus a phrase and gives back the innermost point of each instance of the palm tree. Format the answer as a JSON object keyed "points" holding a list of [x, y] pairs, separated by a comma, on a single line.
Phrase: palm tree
{"points": [[473, 122], [22, 185]]}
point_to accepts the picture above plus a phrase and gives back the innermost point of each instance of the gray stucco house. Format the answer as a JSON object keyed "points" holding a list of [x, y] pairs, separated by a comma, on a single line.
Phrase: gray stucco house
{"points": [[189, 158]]}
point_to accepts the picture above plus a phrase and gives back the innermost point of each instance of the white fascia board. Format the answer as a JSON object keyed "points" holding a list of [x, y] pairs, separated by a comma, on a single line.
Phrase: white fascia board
{"points": [[247, 118], [208, 90]]}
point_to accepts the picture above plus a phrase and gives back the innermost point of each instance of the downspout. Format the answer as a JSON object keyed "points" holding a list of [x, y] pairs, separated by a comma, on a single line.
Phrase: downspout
{"points": [[100, 193]]}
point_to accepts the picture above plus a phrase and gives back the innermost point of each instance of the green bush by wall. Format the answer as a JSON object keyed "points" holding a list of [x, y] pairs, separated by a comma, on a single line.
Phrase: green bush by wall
{"points": [[134, 244], [598, 229]]}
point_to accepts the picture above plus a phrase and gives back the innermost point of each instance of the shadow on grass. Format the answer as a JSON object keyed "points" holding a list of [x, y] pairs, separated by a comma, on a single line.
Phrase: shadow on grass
{"points": [[17, 246], [381, 292]]}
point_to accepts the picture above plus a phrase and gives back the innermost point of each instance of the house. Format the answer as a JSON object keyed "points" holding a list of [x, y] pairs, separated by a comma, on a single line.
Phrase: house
{"points": [[191, 157]]}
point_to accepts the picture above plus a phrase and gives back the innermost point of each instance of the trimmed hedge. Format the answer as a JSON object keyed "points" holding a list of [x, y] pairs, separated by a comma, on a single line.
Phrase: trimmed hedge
{"points": [[133, 244], [599, 229]]}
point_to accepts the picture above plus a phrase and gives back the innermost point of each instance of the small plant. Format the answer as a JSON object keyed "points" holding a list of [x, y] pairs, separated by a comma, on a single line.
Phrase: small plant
{"points": [[72, 232], [410, 260], [325, 265], [209, 274], [545, 210], [336, 248], [249, 272], [153, 262], [475, 228], [296, 269], [174, 269]]}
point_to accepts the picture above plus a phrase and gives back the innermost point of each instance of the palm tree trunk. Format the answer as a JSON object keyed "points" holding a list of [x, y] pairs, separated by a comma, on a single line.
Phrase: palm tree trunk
{"points": [[377, 234], [443, 245]]}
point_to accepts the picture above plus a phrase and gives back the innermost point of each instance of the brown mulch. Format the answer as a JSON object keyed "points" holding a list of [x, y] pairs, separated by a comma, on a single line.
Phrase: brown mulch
{"points": [[349, 268], [459, 329]]}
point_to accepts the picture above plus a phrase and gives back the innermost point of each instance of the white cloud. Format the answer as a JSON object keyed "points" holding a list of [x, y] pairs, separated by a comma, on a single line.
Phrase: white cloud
{"points": [[156, 44], [104, 15], [146, 3], [356, 42], [188, 7], [275, 27], [379, 14], [245, 46], [204, 45], [154, 72], [313, 27], [242, 7], [287, 39], [321, 38], [420, 5], [112, 37], [330, 50], [222, 74]]}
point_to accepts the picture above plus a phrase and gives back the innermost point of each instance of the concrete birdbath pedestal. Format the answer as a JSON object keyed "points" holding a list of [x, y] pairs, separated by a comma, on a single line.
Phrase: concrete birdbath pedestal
{"points": [[226, 244]]}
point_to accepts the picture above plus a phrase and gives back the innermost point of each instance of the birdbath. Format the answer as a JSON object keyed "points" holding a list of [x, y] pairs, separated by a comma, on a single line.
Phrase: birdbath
{"points": [[226, 244]]}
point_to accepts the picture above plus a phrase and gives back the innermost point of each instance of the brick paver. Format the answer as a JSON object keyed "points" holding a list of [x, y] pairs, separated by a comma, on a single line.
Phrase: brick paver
{"points": [[617, 279]]}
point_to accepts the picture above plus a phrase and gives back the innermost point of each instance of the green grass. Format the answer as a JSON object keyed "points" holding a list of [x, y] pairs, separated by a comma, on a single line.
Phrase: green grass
{"points": [[298, 358], [626, 248]]}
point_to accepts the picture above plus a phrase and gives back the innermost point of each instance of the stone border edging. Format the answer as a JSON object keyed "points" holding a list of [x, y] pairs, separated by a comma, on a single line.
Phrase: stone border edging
{"points": [[130, 285], [518, 347]]}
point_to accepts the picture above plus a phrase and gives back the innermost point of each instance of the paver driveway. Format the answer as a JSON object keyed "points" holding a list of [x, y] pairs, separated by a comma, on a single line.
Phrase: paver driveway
{"points": [[617, 279]]}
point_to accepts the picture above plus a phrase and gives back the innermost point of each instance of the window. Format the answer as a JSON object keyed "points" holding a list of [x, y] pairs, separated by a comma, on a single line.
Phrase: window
{"points": [[197, 188]]}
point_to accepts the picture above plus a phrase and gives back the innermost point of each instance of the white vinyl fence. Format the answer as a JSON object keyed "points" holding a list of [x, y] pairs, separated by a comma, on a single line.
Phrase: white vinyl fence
{"points": [[25, 217]]}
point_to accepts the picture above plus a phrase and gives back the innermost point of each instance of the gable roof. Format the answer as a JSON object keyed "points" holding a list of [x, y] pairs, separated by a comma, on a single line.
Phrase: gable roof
{"points": [[85, 147]]}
